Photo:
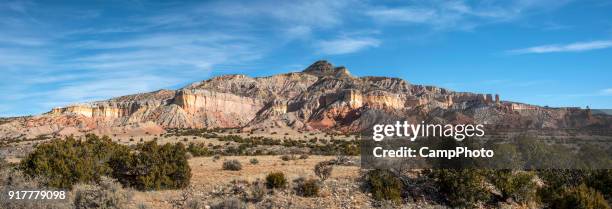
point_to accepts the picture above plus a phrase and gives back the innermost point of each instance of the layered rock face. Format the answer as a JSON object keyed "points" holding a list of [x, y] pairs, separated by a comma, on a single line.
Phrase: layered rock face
{"points": [[321, 97], [197, 100]]}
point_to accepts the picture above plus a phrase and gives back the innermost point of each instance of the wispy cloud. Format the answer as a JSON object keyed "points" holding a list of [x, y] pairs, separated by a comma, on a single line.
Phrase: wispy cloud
{"points": [[154, 45], [411, 15], [606, 92], [573, 47], [600, 93], [316, 13], [346, 45], [77, 52], [458, 14]]}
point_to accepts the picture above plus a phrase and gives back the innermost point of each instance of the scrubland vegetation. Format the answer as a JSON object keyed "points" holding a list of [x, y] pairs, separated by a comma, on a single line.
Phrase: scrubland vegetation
{"points": [[64, 163], [100, 173]]}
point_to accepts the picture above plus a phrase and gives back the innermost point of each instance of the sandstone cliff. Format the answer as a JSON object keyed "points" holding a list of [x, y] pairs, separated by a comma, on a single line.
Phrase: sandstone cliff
{"points": [[321, 97]]}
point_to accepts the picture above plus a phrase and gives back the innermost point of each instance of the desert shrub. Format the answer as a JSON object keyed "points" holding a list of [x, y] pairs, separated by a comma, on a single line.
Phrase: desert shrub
{"points": [[232, 165], [64, 163], [519, 186], [3, 163], [557, 180], [343, 160], [304, 156], [591, 156], [462, 187], [580, 197], [384, 185], [153, 167], [307, 187], [108, 193], [198, 149], [185, 198], [507, 156], [601, 180], [323, 170], [276, 180], [254, 161], [350, 149], [232, 203], [563, 177], [287, 158], [258, 191], [537, 154], [142, 205], [195, 204], [15, 180]]}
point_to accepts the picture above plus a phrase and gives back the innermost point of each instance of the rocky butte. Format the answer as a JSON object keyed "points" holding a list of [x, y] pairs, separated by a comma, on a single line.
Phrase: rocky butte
{"points": [[321, 97]]}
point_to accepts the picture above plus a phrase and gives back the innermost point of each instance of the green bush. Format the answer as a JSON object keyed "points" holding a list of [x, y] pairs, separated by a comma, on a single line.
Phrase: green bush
{"points": [[520, 186], [462, 187], [232, 165], [507, 156], [153, 167], [557, 180], [537, 154], [384, 185], [276, 180], [63, 163], [198, 149], [581, 197], [350, 149], [307, 187], [601, 180]]}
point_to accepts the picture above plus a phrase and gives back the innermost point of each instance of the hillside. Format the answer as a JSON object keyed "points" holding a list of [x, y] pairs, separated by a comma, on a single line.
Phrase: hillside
{"points": [[321, 97]]}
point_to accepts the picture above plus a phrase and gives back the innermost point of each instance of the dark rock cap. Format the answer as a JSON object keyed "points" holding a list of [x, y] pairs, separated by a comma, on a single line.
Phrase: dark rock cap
{"points": [[325, 68]]}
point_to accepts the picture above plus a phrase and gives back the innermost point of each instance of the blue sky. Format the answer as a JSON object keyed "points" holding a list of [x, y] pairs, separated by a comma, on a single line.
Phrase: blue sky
{"points": [[545, 52]]}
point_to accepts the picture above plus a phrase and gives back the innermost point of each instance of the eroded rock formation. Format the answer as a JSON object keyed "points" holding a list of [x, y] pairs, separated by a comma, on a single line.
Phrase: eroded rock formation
{"points": [[321, 97]]}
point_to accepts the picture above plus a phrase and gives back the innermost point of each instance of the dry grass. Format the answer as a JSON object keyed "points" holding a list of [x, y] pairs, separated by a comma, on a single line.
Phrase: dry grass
{"points": [[208, 174]]}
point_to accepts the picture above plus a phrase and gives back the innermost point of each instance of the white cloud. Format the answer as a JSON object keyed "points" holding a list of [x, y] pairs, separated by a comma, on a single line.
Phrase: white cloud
{"points": [[59, 70], [606, 92], [346, 45], [414, 15], [573, 47], [316, 13], [458, 14], [298, 32], [20, 40], [166, 45], [106, 88]]}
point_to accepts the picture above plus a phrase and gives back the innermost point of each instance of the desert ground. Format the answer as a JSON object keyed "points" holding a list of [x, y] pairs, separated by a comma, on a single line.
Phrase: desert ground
{"points": [[211, 183]]}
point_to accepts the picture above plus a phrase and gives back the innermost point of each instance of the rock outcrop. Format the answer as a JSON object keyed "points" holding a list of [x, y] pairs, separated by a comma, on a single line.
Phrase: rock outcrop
{"points": [[321, 97]]}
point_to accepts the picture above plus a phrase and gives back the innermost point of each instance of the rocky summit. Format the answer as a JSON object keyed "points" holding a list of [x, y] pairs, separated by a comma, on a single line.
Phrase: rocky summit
{"points": [[322, 97]]}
